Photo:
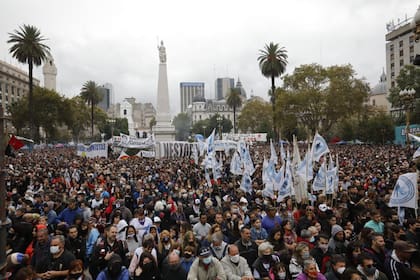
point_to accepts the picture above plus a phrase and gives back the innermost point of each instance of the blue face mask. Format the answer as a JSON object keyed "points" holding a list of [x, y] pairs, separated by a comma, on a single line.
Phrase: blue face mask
{"points": [[207, 260]]}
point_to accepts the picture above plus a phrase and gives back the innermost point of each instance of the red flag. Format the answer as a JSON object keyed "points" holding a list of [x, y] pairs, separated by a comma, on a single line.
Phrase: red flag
{"points": [[15, 143]]}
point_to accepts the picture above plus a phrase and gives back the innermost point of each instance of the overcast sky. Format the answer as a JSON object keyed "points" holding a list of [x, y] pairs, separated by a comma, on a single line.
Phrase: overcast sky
{"points": [[115, 42]]}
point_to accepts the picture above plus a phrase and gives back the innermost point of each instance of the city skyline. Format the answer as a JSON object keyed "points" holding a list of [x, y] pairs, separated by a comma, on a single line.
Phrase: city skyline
{"points": [[116, 43]]}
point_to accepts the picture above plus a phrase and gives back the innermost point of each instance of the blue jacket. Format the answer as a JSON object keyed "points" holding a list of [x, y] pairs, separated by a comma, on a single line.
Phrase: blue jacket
{"points": [[124, 275], [68, 215]]}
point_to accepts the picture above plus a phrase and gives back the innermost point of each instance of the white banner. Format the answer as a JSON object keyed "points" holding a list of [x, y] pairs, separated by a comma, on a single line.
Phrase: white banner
{"points": [[147, 154], [93, 150], [128, 141], [176, 149]]}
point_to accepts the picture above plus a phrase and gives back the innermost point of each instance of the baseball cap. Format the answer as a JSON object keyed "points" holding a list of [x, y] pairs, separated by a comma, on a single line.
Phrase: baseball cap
{"points": [[243, 200], [197, 201], [404, 246], [204, 252], [157, 220], [323, 207]]}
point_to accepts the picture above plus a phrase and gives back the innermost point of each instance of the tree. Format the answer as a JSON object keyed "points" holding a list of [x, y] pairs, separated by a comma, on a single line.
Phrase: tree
{"points": [[322, 96], [256, 117], [152, 123], [91, 95], [272, 61], [234, 101], [201, 127], [28, 48], [76, 116], [182, 123]]}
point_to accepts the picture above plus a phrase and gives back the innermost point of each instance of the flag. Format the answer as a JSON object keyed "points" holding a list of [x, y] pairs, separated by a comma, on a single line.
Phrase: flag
{"points": [[416, 153], [305, 168], [319, 147], [235, 164], [246, 184], [319, 181], [414, 137], [405, 192], [210, 142], [286, 188], [248, 164], [273, 156], [15, 143], [278, 179]]}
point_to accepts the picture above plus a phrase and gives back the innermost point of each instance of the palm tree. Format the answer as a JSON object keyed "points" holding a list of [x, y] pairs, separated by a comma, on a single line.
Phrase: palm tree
{"points": [[273, 61], [28, 48], [234, 100], [91, 95]]}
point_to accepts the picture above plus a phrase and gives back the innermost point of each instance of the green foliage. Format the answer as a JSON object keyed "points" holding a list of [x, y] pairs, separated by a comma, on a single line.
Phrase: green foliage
{"points": [[256, 117], [234, 101], [319, 97], [201, 127], [114, 127], [92, 96], [28, 47], [152, 123], [182, 123], [205, 127]]}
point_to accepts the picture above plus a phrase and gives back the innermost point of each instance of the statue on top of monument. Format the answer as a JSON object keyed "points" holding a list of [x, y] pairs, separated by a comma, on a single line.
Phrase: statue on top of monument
{"points": [[162, 52]]}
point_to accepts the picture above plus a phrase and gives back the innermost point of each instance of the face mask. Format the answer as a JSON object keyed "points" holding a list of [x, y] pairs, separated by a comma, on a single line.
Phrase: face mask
{"points": [[148, 266], [235, 258], [187, 255], [340, 270], [305, 255], [235, 210], [75, 276], [165, 239], [370, 271], [267, 258], [207, 260], [178, 252], [312, 240], [244, 208], [54, 249], [281, 275], [117, 205], [130, 235]]}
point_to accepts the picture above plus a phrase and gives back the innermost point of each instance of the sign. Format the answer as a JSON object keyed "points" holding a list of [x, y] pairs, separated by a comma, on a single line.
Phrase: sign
{"points": [[128, 141], [176, 149], [399, 132], [247, 137], [93, 150]]}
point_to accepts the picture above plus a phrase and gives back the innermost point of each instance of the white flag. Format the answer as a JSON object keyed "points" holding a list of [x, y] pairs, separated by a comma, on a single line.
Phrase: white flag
{"points": [[210, 142], [414, 137], [416, 153], [305, 168], [286, 188], [319, 181], [319, 147], [246, 183], [405, 192], [273, 156], [235, 165]]}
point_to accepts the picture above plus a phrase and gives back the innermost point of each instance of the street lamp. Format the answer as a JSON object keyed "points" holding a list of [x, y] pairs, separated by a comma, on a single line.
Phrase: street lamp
{"points": [[407, 97], [219, 124]]}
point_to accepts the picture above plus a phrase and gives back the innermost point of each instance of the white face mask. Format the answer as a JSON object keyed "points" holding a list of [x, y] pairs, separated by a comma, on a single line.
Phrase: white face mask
{"points": [[54, 249], [282, 275], [235, 258], [130, 235], [340, 270]]}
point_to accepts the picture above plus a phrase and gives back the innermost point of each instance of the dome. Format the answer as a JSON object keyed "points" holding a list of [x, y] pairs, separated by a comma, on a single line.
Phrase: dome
{"points": [[416, 18], [381, 87]]}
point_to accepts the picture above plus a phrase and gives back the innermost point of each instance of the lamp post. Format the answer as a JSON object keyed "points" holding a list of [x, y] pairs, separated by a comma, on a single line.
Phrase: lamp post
{"points": [[407, 97], [219, 124]]}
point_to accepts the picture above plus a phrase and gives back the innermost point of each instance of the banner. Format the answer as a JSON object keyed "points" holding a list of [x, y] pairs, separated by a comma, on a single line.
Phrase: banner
{"points": [[93, 150], [176, 149], [128, 141]]}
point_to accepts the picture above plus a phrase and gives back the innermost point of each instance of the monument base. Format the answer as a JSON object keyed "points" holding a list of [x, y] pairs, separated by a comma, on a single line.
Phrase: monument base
{"points": [[163, 132]]}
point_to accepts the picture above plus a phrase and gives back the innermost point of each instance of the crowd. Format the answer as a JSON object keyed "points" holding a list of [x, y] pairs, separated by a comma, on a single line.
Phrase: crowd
{"points": [[80, 218]]}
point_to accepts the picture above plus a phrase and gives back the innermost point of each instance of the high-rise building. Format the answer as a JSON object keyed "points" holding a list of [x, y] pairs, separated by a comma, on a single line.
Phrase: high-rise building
{"points": [[401, 49], [188, 91], [14, 84], [223, 87], [107, 93]]}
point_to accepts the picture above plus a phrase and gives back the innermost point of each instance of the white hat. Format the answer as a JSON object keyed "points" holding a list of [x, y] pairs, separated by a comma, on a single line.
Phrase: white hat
{"points": [[323, 207], [197, 201], [17, 258], [243, 200], [225, 197], [157, 220]]}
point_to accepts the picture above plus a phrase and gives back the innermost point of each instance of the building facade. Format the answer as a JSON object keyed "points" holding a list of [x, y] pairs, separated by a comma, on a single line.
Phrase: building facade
{"points": [[223, 87], [107, 96], [378, 95], [137, 114], [14, 84], [188, 90]]}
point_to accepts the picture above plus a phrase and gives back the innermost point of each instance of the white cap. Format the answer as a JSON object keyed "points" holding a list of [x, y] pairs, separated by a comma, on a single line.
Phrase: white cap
{"points": [[225, 198], [243, 200], [157, 220], [323, 207], [197, 201]]}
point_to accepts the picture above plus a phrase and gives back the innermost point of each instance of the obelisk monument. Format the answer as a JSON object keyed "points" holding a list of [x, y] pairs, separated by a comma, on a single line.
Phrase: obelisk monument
{"points": [[163, 130]]}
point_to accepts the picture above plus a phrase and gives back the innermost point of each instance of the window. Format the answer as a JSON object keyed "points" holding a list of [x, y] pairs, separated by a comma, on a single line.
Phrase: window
{"points": [[392, 84], [125, 112], [401, 43], [411, 39], [411, 58], [401, 62], [392, 74], [411, 49], [401, 52], [373, 102], [391, 48], [6, 88], [392, 56]]}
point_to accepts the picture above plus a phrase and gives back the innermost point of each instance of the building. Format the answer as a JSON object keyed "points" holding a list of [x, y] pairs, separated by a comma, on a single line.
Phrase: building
{"points": [[401, 49], [241, 89], [187, 92], [14, 84], [138, 115], [223, 87], [50, 74], [107, 96], [378, 95]]}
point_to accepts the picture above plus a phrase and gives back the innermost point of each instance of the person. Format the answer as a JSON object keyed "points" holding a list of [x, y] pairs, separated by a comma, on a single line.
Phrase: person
{"points": [[188, 258], [368, 270], [310, 271], [337, 242], [69, 213], [235, 266], [397, 265], [415, 265], [202, 228], [149, 246], [104, 249], [206, 267], [218, 247], [25, 273], [92, 236], [352, 274], [41, 251], [271, 220], [377, 250], [172, 270], [75, 243], [76, 271], [375, 223], [131, 240], [413, 230], [147, 268], [265, 261], [354, 249], [338, 265], [300, 255], [59, 261], [322, 253], [141, 223], [247, 248], [115, 270], [258, 233]]}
